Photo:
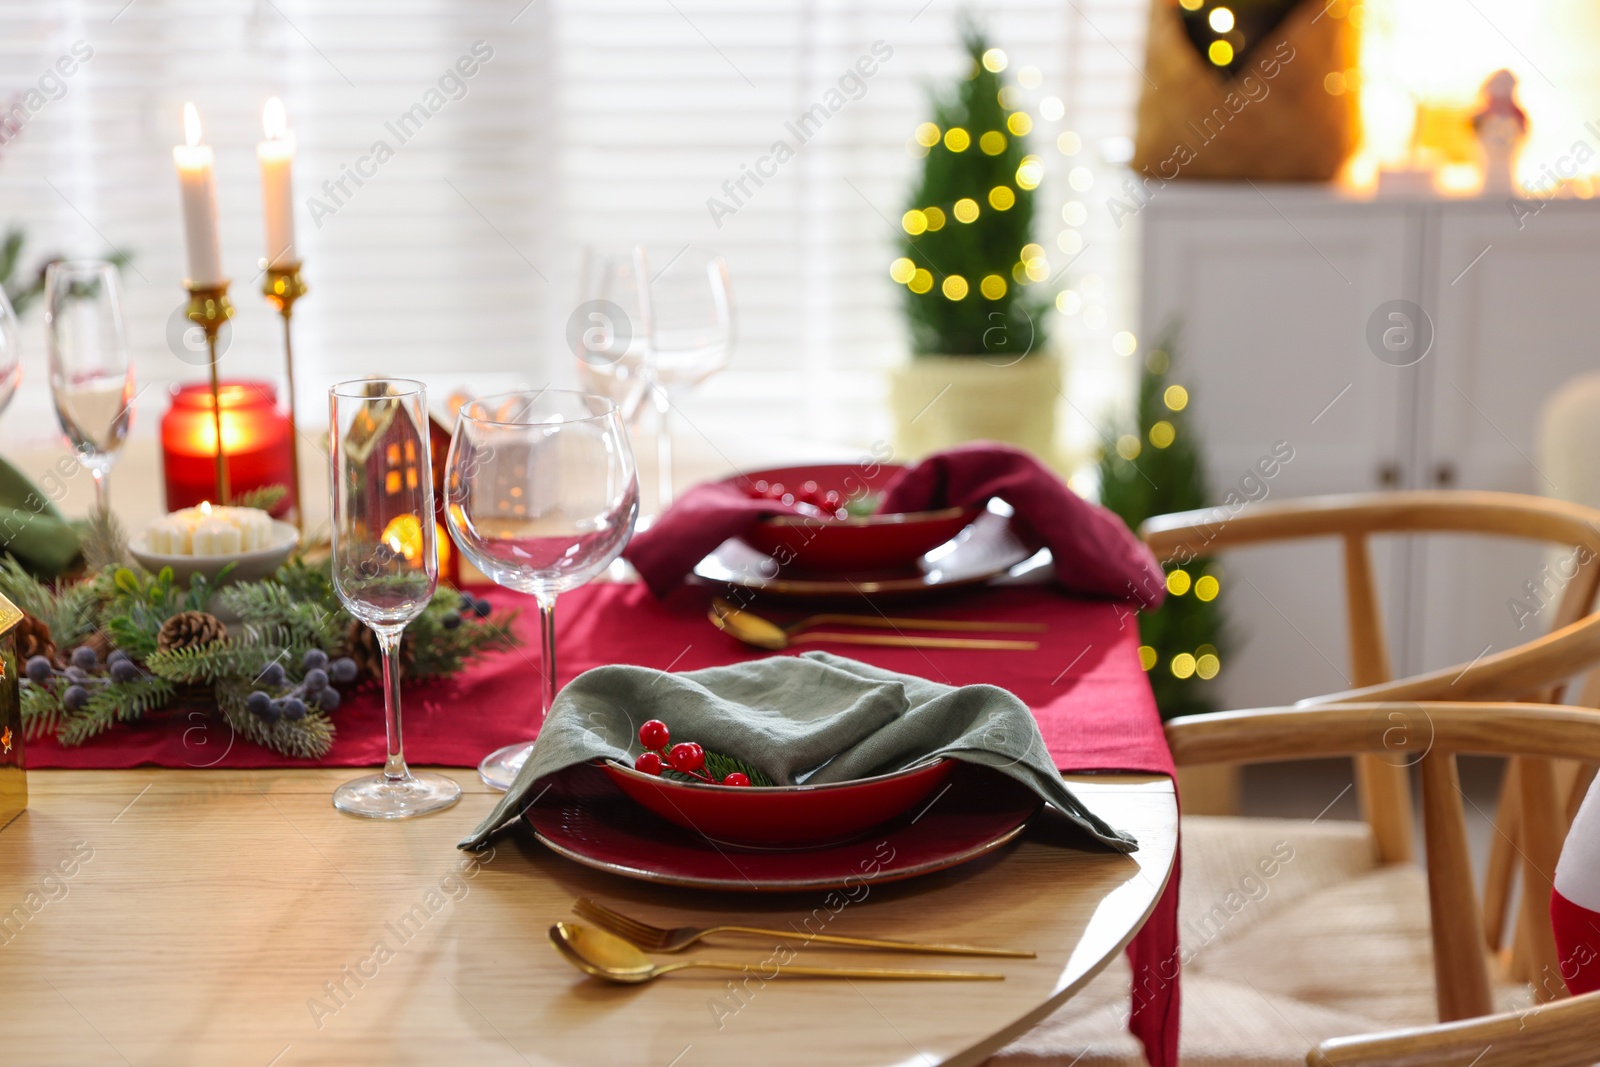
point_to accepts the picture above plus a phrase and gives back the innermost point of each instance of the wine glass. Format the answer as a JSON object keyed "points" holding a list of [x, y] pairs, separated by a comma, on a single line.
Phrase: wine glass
{"points": [[689, 325], [609, 331], [541, 495], [91, 378], [10, 351], [385, 560]]}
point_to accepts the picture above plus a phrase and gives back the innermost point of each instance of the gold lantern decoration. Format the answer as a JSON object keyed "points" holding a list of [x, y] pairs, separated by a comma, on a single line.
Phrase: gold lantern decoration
{"points": [[13, 779]]}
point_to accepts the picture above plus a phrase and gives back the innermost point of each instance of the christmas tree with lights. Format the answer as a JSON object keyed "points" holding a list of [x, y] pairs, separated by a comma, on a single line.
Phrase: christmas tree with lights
{"points": [[968, 257], [1154, 469]]}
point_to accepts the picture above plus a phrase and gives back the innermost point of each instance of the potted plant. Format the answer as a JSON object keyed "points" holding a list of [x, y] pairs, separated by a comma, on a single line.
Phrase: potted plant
{"points": [[973, 279]]}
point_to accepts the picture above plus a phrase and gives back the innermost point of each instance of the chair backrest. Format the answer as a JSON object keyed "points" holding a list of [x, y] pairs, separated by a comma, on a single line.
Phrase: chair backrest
{"points": [[1434, 734], [1536, 800]]}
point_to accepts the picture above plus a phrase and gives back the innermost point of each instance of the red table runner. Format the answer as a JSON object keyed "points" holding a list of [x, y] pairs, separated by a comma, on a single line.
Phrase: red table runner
{"points": [[1085, 685]]}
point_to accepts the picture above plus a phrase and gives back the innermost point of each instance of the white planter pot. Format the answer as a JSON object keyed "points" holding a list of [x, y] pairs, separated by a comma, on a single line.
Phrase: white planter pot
{"points": [[940, 401]]}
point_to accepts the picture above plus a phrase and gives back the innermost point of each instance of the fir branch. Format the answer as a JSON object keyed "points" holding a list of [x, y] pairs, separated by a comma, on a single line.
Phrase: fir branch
{"points": [[270, 610], [719, 767], [114, 703], [209, 664], [42, 712], [105, 542], [308, 738], [265, 497], [26, 591]]}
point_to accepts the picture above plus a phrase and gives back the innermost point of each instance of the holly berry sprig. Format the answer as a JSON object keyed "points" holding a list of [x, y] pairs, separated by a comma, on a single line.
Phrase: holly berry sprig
{"points": [[685, 757]]}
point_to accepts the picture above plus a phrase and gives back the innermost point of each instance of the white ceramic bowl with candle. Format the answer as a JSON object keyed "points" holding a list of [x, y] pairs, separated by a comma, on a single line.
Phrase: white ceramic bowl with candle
{"points": [[205, 539]]}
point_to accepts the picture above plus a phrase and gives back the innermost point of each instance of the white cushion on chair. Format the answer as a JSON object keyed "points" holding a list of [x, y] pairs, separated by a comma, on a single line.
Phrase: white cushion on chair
{"points": [[1329, 944]]}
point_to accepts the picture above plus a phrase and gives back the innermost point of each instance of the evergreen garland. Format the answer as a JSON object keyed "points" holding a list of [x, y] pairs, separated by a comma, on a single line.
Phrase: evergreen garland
{"points": [[968, 259], [118, 611], [1155, 468]]}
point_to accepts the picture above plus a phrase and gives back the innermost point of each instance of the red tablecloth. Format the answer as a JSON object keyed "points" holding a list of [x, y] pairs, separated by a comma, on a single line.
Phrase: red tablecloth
{"points": [[1085, 685]]}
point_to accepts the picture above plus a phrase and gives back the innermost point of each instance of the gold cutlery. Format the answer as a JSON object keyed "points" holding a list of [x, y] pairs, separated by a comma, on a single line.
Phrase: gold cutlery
{"points": [[607, 956], [659, 939], [724, 606], [763, 633]]}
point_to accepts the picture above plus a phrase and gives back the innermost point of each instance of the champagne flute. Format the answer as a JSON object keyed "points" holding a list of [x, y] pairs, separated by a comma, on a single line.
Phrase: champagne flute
{"points": [[385, 561], [609, 331], [91, 378], [10, 351], [541, 495]]}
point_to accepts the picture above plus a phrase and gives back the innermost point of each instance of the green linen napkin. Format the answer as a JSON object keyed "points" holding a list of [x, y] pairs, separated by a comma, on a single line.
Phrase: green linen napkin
{"points": [[807, 719], [31, 528]]}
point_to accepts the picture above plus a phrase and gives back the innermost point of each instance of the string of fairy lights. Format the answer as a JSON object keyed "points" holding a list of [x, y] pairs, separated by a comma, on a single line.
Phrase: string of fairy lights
{"points": [[1228, 41], [1032, 264]]}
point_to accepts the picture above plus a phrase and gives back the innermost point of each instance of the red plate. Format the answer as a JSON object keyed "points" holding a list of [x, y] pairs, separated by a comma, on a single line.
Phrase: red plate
{"points": [[873, 542], [587, 819], [782, 816]]}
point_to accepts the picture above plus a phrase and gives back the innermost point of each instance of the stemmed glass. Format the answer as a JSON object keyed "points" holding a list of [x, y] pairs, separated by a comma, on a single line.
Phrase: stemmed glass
{"points": [[654, 323], [385, 560], [541, 495], [10, 351], [91, 378]]}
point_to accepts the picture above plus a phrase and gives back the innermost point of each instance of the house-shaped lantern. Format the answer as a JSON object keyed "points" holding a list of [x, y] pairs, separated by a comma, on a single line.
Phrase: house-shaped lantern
{"points": [[13, 778]]}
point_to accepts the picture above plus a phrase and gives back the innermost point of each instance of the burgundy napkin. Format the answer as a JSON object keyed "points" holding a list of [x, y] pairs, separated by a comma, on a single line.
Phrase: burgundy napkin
{"points": [[1095, 553], [702, 519]]}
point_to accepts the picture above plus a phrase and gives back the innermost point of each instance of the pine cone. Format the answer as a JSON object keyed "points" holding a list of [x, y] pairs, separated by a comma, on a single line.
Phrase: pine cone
{"points": [[190, 629], [33, 639], [361, 644]]}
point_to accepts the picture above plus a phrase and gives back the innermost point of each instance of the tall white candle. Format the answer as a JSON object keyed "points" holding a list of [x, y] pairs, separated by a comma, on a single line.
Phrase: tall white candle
{"points": [[276, 155], [197, 181]]}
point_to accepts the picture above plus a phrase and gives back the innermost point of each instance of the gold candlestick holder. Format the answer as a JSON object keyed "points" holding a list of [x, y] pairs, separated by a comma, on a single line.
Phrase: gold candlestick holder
{"points": [[209, 309], [283, 287]]}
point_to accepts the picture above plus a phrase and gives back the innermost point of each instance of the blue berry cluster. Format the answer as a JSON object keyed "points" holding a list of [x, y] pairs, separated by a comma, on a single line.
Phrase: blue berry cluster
{"points": [[470, 605], [82, 674], [315, 687]]}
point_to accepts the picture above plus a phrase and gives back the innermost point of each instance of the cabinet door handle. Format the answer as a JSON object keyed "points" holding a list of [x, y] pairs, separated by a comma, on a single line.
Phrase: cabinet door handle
{"points": [[1444, 475], [1389, 474]]}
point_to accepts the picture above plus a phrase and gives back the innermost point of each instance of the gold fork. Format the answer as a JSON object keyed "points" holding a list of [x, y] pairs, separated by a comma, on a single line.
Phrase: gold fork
{"points": [[659, 939]]}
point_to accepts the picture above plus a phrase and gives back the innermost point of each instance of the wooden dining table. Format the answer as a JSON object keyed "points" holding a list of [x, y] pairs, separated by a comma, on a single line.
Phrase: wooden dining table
{"points": [[171, 917]]}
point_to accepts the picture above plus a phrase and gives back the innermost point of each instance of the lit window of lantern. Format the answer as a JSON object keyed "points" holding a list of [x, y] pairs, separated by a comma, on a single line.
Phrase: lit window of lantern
{"points": [[957, 140], [928, 135], [921, 281], [992, 143], [902, 269], [391, 454], [966, 209], [1019, 123], [391, 483], [954, 287], [1162, 434], [993, 286], [1001, 198], [935, 218], [914, 222]]}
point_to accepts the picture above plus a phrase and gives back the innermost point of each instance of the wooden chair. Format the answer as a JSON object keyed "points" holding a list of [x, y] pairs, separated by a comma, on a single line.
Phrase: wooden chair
{"points": [[1538, 670], [1235, 1008], [1361, 869]]}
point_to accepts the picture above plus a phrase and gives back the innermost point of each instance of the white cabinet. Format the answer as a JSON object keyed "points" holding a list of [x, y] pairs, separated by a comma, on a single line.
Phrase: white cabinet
{"points": [[1271, 291]]}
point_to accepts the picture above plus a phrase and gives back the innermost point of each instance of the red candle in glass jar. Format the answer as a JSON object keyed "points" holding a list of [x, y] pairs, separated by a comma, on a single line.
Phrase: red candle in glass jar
{"points": [[255, 439]]}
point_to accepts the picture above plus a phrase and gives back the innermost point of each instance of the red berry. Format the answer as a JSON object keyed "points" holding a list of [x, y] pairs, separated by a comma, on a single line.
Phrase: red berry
{"points": [[654, 734], [649, 763], [736, 778], [686, 757]]}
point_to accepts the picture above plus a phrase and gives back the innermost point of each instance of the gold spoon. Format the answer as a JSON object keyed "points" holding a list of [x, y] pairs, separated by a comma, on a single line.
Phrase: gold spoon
{"points": [[754, 630], [607, 956]]}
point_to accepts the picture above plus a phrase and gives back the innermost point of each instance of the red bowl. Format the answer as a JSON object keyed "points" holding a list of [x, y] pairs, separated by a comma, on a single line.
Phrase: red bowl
{"points": [[874, 542], [783, 816]]}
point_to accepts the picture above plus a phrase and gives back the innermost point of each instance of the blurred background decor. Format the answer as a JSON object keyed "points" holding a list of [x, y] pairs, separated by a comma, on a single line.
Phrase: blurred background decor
{"points": [[974, 278], [1248, 90]]}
